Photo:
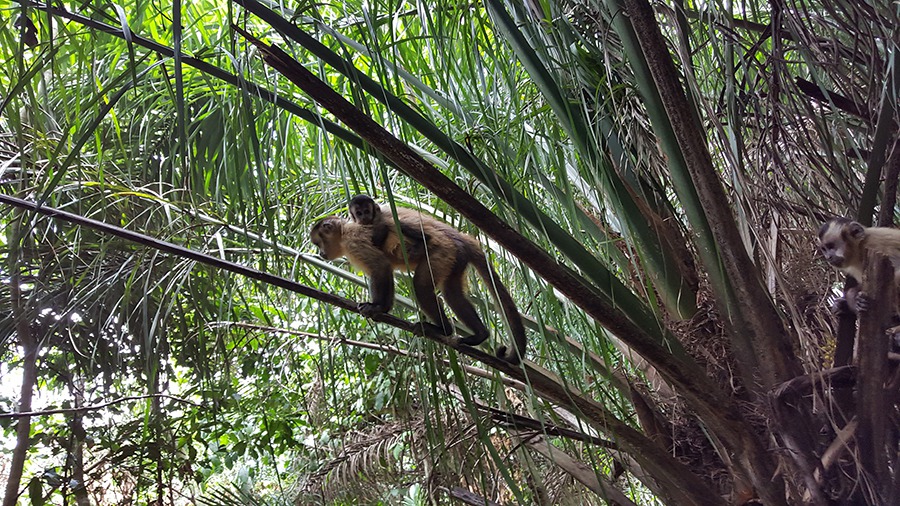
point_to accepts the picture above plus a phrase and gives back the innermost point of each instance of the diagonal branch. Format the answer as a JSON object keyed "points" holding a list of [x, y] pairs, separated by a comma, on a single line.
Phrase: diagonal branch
{"points": [[658, 351], [718, 412]]}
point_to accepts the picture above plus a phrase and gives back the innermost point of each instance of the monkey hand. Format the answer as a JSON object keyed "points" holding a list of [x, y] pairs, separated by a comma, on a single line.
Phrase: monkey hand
{"points": [[854, 301], [841, 306], [863, 302], [369, 309], [894, 336]]}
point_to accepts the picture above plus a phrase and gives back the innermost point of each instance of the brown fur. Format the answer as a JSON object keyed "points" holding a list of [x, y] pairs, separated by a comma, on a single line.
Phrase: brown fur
{"points": [[845, 243], [440, 265], [364, 211]]}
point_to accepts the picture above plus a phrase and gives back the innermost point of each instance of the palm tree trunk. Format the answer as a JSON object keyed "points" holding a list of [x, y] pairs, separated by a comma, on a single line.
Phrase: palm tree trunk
{"points": [[29, 368], [80, 490], [23, 426]]}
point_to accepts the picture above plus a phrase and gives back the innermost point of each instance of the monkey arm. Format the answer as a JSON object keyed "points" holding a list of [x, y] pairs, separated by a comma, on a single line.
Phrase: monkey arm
{"points": [[381, 291], [379, 235], [364, 254]]}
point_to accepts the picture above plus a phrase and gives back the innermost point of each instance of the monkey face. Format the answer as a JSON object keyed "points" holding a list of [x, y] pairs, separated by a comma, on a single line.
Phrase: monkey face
{"points": [[839, 241], [363, 210], [363, 214], [326, 237], [834, 253]]}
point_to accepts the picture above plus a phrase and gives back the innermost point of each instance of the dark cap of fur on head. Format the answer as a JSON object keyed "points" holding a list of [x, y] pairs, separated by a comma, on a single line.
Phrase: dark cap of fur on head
{"points": [[839, 221]]}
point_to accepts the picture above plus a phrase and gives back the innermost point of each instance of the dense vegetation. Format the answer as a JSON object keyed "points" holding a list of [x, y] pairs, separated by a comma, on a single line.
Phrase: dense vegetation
{"points": [[646, 178]]}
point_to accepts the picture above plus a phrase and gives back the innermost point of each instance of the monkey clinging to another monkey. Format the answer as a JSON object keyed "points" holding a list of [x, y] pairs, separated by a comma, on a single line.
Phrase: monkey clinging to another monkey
{"points": [[365, 211], [436, 253]]}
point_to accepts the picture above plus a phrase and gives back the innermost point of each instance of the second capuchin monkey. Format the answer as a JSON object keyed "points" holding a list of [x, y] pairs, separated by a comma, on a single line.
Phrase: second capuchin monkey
{"points": [[364, 211], [845, 243], [440, 265]]}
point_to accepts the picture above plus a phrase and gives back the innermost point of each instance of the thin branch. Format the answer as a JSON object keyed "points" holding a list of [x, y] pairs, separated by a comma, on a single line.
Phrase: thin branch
{"points": [[544, 383], [891, 175], [599, 483], [885, 130], [836, 377], [96, 407], [468, 497], [829, 98], [838, 447], [519, 422]]}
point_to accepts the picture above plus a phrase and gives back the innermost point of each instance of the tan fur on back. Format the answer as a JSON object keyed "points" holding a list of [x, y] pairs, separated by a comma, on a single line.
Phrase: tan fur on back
{"points": [[440, 250], [444, 246], [883, 240]]}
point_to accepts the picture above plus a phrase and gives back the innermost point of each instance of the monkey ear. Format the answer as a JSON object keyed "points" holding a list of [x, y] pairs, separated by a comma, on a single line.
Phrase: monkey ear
{"points": [[856, 230]]}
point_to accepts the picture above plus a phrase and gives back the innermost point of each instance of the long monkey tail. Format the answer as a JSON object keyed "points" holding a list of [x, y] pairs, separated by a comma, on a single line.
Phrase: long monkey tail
{"points": [[516, 353]]}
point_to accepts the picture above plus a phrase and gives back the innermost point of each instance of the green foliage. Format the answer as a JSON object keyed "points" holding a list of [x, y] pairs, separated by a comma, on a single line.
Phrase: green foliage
{"points": [[164, 380]]}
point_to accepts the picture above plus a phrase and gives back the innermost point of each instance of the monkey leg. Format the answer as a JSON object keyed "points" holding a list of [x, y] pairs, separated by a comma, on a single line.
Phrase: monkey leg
{"points": [[454, 293], [424, 287]]}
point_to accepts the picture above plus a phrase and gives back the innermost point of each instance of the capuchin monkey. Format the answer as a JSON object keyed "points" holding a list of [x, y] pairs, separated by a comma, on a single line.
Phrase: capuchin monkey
{"points": [[845, 243], [440, 265], [364, 211]]}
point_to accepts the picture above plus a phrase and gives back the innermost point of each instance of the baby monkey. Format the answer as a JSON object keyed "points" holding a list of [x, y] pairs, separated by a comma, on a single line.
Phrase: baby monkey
{"points": [[845, 243], [364, 211]]}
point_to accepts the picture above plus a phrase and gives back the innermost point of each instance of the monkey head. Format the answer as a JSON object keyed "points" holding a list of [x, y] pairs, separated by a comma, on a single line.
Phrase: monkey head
{"points": [[839, 242], [326, 236], [363, 210]]}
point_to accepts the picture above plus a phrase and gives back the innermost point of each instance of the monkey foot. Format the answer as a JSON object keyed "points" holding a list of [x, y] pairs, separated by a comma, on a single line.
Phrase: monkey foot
{"points": [[437, 329], [474, 339], [510, 355], [369, 310]]}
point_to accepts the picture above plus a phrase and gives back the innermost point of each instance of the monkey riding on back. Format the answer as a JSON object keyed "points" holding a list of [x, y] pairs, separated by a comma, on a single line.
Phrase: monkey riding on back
{"points": [[438, 256]]}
